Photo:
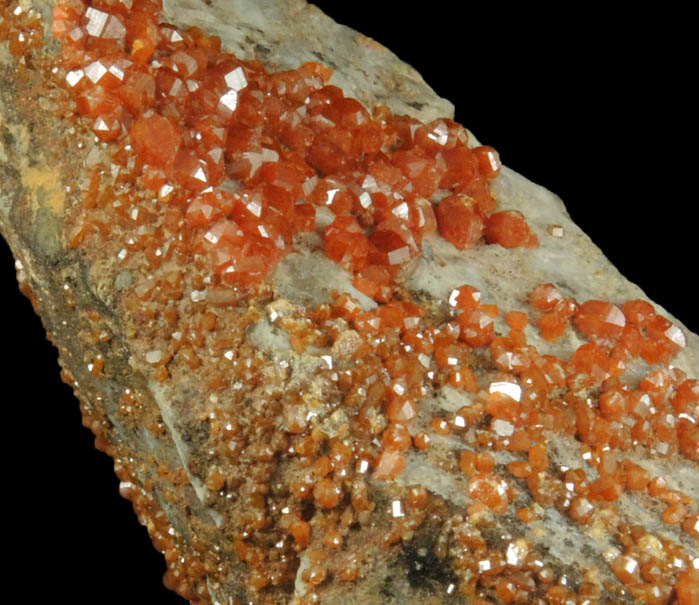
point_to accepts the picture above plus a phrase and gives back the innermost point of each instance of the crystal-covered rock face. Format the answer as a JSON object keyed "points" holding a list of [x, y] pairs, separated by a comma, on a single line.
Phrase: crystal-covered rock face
{"points": [[338, 352]]}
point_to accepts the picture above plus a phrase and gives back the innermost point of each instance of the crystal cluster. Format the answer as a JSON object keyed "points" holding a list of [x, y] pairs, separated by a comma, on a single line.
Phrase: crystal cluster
{"points": [[217, 168], [253, 157]]}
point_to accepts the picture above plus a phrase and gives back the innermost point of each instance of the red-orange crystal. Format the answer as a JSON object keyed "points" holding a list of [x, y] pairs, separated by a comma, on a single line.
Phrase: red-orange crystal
{"points": [[376, 174]]}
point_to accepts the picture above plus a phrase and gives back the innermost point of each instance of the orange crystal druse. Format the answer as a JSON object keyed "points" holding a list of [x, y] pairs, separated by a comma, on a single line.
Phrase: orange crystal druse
{"points": [[236, 163], [197, 116]]}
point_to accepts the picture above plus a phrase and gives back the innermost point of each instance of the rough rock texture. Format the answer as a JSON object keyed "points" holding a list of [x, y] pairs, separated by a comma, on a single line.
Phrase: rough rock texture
{"points": [[77, 296]]}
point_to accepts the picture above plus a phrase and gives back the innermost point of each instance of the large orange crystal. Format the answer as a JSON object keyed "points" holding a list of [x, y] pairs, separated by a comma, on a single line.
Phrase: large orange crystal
{"points": [[510, 229], [490, 490], [156, 141], [688, 587], [596, 318], [458, 221]]}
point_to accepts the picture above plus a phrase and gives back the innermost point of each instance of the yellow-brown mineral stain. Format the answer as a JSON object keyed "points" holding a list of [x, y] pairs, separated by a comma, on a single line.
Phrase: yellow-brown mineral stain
{"points": [[43, 183]]}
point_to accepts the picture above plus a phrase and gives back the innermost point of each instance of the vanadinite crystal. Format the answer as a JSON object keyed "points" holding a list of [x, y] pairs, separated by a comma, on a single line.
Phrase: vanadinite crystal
{"points": [[287, 324]]}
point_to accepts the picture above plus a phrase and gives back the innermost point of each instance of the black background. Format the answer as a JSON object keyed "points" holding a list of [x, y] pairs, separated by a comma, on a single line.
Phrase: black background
{"points": [[592, 105]]}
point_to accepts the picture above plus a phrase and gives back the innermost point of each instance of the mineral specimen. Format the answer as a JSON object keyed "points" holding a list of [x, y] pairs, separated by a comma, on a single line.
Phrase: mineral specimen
{"points": [[284, 315]]}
